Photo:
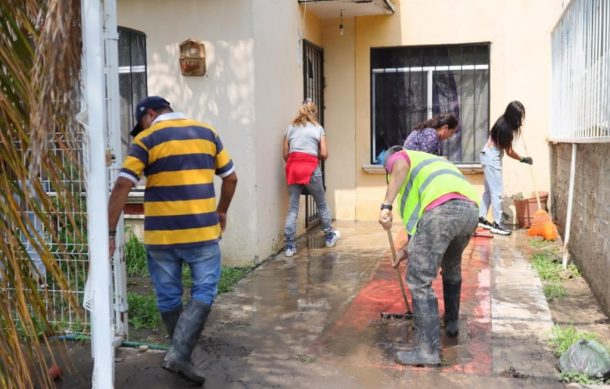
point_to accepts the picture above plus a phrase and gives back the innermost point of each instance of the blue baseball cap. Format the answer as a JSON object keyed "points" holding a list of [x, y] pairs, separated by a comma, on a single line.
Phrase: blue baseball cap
{"points": [[150, 102]]}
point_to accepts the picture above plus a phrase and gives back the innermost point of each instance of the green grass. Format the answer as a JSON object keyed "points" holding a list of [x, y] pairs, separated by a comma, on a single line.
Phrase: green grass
{"points": [[580, 378], [135, 256], [547, 268], [554, 290], [563, 337], [539, 243], [229, 276], [143, 311], [573, 270], [142, 308], [547, 263]]}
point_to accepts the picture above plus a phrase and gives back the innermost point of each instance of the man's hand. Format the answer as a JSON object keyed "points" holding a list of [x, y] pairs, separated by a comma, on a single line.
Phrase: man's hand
{"points": [[385, 219], [222, 219], [401, 255]]}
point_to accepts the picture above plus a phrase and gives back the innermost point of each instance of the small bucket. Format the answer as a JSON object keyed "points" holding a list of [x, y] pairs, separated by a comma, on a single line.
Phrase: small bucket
{"points": [[525, 208]]}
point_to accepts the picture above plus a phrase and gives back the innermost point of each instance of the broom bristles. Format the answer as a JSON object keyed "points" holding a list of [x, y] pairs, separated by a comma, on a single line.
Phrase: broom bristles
{"points": [[543, 226]]}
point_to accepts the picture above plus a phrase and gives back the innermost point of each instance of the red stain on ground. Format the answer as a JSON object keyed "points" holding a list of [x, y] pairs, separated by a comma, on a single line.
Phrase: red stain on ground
{"points": [[382, 294]]}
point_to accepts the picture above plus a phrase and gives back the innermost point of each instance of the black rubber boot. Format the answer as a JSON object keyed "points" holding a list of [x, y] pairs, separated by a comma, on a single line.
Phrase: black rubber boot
{"points": [[451, 296], [427, 333], [170, 319], [189, 326]]}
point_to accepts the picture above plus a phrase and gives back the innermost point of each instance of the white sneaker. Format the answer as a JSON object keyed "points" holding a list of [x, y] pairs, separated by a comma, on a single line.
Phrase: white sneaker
{"points": [[290, 251], [497, 229], [484, 223], [332, 238]]}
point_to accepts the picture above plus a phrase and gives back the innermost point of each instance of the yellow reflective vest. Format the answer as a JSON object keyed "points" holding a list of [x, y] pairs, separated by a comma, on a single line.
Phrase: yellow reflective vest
{"points": [[429, 178]]}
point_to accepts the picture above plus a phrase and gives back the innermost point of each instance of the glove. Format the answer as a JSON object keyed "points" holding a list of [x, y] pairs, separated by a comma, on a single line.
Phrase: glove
{"points": [[385, 219], [527, 160]]}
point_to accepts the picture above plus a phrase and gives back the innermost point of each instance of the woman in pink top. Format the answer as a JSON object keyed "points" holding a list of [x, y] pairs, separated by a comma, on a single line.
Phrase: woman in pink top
{"points": [[427, 135]]}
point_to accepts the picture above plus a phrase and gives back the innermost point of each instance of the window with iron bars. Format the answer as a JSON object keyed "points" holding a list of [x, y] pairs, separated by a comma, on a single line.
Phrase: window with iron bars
{"points": [[410, 84], [132, 78]]}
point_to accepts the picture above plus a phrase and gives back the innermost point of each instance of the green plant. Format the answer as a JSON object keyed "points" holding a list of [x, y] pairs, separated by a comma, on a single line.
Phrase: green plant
{"points": [[539, 243], [573, 270], [40, 51], [229, 276], [135, 256], [554, 290], [580, 378], [547, 269], [186, 277], [143, 311], [562, 338]]}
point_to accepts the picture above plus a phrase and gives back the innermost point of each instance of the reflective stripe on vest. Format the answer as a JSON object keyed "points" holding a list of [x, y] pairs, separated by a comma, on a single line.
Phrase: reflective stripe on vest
{"points": [[417, 204]]}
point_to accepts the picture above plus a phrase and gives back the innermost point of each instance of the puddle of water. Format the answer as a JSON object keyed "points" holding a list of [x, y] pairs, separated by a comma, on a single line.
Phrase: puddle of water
{"points": [[315, 241]]}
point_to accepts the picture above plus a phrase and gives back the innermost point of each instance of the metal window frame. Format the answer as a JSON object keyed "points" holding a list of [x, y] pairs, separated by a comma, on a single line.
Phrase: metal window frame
{"points": [[430, 68]]}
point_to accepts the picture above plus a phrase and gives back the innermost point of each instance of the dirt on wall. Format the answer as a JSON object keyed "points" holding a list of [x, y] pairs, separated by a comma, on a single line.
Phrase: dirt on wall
{"points": [[589, 245]]}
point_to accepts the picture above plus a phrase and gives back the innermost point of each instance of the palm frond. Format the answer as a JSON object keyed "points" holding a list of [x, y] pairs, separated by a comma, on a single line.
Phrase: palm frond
{"points": [[40, 48]]}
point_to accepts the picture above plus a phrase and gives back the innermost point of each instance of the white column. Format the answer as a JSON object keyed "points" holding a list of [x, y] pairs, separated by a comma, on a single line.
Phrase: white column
{"points": [[97, 195]]}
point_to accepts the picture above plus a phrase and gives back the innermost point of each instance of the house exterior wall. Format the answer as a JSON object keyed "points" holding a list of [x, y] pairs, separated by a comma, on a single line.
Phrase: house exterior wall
{"points": [[252, 89], [340, 116], [588, 244], [519, 70], [254, 85], [278, 55]]}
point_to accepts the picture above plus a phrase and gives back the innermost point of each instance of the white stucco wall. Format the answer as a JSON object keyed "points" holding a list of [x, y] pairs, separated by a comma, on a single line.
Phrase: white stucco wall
{"points": [[279, 92], [224, 97], [252, 89]]}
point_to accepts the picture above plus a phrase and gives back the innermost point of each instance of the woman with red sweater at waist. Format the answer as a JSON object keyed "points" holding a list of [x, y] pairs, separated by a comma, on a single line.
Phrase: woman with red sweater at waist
{"points": [[304, 147]]}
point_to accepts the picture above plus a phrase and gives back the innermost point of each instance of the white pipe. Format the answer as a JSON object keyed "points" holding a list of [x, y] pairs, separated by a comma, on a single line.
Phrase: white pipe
{"points": [[111, 39], [569, 212], [97, 195]]}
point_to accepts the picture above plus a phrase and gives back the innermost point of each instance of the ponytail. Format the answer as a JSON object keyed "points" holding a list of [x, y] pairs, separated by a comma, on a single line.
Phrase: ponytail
{"points": [[437, 121]]}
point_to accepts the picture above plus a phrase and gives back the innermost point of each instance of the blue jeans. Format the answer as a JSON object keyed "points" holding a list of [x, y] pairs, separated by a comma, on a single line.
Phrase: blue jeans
{"points": [[165, 268], [316, 189], [491, 159]]}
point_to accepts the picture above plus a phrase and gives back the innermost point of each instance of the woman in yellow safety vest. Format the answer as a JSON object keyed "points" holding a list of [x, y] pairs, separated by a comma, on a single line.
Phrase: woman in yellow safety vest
{"points": [[439, 209]]}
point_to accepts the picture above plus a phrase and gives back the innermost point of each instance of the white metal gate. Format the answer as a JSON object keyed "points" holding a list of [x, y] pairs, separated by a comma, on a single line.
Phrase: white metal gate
{"points": [[581, 73], [73, 252]]}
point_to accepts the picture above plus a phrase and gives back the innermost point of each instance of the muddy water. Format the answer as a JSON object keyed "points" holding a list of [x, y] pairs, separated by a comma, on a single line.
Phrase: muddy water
{"points": [[313, 321]]}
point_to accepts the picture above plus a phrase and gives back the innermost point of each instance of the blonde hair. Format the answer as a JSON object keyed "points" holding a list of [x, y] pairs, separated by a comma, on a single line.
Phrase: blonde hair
{"points": [[308, 113]]}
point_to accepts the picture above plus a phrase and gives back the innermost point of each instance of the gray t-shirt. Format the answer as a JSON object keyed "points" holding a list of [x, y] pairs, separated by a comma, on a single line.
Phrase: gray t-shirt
{"points": [[304, 139]]}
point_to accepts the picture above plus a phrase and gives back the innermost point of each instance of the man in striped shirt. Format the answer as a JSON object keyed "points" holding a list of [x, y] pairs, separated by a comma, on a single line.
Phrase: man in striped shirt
{"points": [[182, 223]]}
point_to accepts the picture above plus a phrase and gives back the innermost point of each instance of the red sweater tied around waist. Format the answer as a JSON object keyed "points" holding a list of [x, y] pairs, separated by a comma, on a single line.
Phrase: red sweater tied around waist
{"points": [[300, 168]]}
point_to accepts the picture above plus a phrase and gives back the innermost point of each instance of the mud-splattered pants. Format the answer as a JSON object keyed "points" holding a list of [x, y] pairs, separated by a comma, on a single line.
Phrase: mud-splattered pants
{"points": [[442, 235]]}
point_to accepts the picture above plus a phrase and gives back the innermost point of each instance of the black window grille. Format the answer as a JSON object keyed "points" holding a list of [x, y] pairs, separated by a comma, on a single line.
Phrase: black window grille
{"points": [[132, 78], [410, 84]]}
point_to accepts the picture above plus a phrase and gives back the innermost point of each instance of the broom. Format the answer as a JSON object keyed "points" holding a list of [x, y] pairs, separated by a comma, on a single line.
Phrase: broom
{"points": [[542, 224], [392, 315]]}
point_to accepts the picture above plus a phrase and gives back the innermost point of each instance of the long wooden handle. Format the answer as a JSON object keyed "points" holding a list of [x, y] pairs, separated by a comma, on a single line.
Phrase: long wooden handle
{"points": [[394, 263], [532, 174]]}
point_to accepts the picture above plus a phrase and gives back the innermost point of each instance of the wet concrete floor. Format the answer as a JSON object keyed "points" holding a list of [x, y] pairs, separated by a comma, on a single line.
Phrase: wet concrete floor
{"points": [[313, 321]]}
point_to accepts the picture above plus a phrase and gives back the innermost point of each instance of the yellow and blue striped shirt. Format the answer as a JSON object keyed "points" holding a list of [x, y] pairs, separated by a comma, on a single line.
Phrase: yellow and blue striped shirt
{"points": [[179, 158]]}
